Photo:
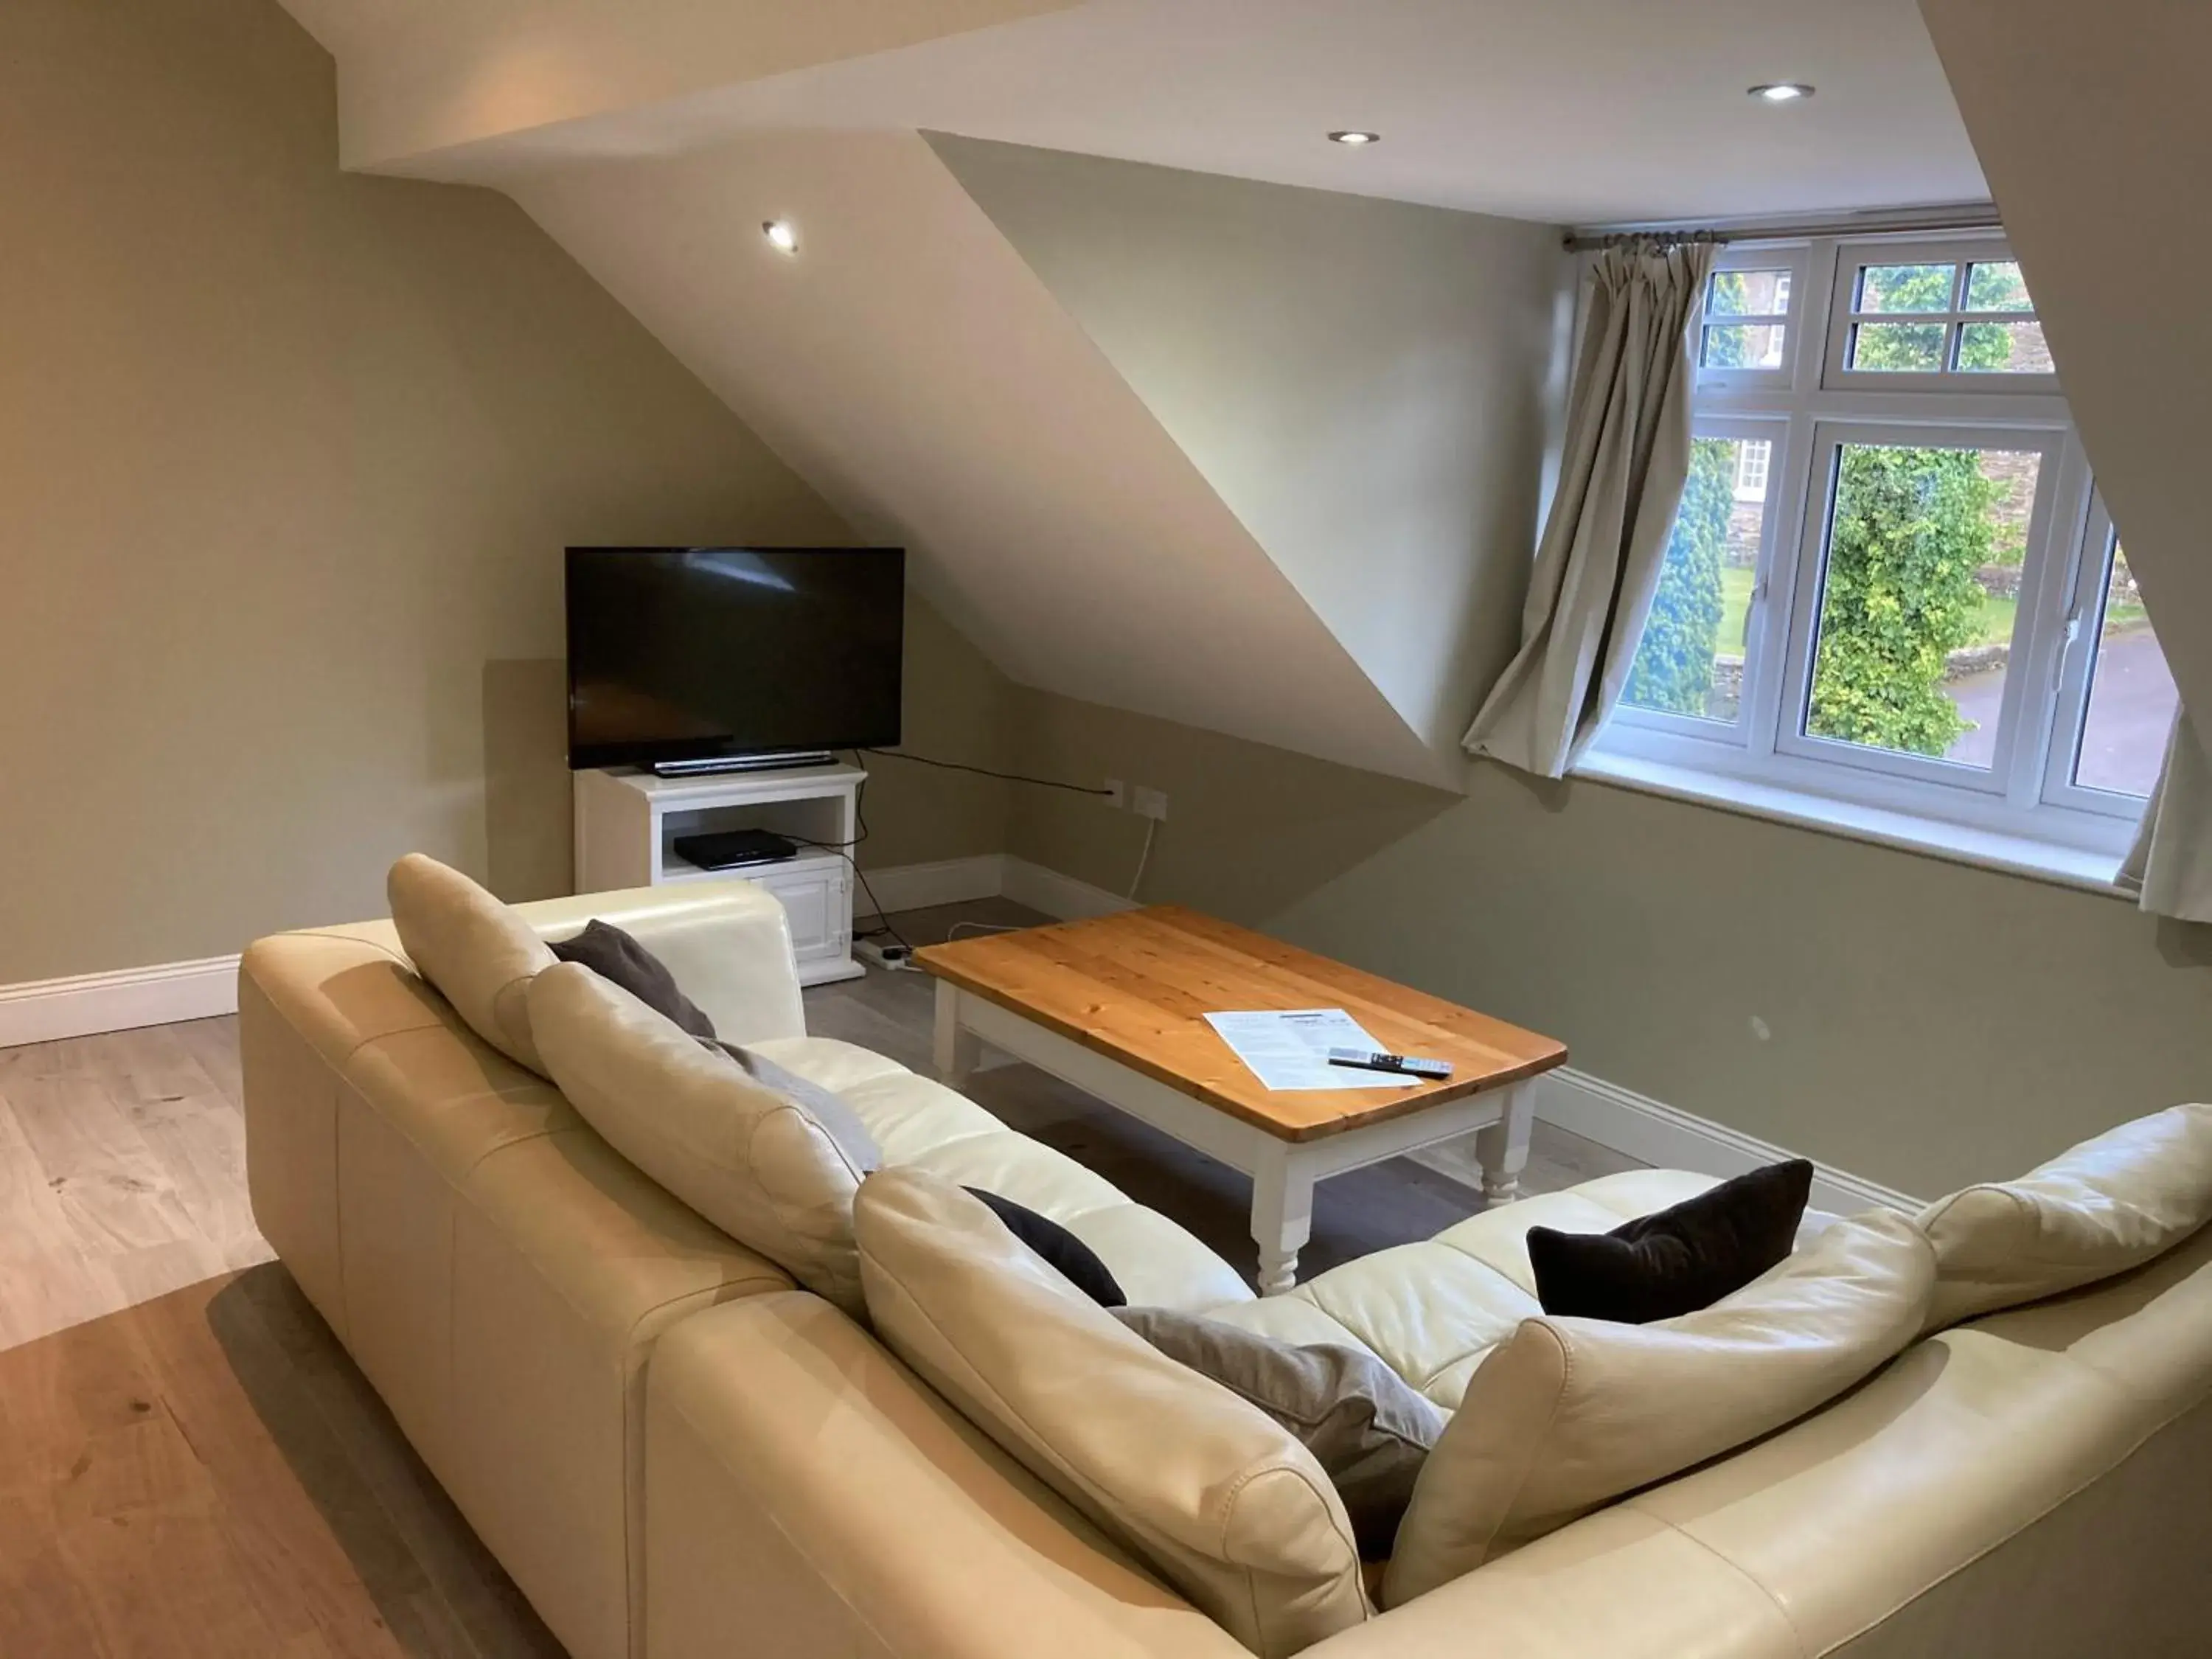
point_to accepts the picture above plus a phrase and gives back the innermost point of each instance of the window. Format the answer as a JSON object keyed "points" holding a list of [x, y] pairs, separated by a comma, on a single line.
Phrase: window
{"points": [[1890, 585], [1752, 459], [1744, 335], [1902, 312]]}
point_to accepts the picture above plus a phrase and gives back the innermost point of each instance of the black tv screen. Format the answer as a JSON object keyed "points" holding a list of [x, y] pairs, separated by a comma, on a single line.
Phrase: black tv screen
{"points": [[685, 654]]}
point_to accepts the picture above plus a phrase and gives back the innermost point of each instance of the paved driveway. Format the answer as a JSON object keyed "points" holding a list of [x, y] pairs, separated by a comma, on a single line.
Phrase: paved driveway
{"points": [[2130, 708]]}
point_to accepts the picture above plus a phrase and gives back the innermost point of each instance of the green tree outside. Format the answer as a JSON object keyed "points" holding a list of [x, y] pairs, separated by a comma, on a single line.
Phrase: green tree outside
{"points": [[1911, 526], [1673, 668]]}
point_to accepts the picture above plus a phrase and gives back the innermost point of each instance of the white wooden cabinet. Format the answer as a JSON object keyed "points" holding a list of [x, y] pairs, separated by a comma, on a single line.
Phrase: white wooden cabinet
{"points": [[627, 823]]}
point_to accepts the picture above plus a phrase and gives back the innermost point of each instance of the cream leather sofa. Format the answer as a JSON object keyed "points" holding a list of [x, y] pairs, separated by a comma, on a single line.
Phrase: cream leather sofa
{"points": [[678, 1456]]}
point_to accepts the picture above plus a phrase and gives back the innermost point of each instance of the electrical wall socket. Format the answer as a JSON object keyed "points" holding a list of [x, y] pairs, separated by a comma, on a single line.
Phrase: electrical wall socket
{"points": [[1117, 793], [1149, 804]]}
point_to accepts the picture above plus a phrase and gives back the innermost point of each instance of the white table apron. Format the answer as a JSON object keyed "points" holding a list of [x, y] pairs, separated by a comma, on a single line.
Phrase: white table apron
{"points": [[1283, 1171]]}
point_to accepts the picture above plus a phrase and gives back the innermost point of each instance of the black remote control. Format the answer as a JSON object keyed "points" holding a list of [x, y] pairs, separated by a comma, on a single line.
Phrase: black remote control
{"points": [[1406, 1065]]}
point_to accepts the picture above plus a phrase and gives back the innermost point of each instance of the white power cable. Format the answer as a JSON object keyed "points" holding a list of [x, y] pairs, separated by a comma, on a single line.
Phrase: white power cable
{"points": [[1151, 829]]}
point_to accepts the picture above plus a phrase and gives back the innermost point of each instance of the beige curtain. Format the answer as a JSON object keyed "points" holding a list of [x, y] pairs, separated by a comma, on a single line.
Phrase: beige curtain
{"points": [[2169, 869], [1626, 456]]}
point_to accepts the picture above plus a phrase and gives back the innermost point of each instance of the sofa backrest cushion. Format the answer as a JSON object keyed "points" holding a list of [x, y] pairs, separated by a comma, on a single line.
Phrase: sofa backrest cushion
{"points": [[1367, 1429], [1222, 1501], [754, 1161], [2109, 1204], [1568, 1414], [478, 952]]}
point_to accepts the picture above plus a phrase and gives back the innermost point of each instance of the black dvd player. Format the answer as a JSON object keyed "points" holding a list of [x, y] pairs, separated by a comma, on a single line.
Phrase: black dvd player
{"points": [[734, 849]]}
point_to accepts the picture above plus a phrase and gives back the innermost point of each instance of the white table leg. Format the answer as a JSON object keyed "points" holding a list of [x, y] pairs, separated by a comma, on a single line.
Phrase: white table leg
{"points": [[1503, 1148], [1282, 1216], [957, 1048]]}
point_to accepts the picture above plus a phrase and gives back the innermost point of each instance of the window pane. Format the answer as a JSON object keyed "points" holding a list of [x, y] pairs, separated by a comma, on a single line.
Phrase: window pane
{"points": [[1691, 659], [1908, 346], [1919, 589], [1747, 293], [1997, 286], [1742, 345], [1905, 288], [2003, 348], [2132, 695]]}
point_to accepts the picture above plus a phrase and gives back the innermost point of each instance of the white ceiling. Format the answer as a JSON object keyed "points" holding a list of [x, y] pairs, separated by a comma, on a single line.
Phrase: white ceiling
{"points": [[1572, 111]]}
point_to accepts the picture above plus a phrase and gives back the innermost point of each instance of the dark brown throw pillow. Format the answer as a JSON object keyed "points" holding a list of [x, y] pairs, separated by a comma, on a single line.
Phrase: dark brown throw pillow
{"points": [[614, 955], [1076, 1261], [1369, 1432], [1681, 1259]]}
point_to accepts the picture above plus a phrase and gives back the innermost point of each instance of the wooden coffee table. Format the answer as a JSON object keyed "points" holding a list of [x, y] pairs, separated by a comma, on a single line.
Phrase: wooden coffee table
{"points": [[1115, 1006]]}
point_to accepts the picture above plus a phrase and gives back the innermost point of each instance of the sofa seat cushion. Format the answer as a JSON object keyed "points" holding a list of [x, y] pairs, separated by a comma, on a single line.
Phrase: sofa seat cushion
{"points": [[1220, 1498], [919, 1123], [2114, 1202], [1570, 1414], [1431, 1311]]}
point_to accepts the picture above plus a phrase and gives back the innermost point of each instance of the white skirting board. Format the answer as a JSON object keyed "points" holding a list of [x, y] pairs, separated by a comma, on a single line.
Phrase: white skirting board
{"points": [[988, 875], [1653, 1132], [1642, 1128], [918, 886], [47, 1011]]}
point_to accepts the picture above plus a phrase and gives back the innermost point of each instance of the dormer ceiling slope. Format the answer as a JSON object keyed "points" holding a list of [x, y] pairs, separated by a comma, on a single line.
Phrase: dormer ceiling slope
{"points": [[1264, 460]]}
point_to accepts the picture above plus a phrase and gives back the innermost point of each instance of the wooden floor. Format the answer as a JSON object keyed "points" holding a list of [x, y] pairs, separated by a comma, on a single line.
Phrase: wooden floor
{"points": [[190, 1465]]}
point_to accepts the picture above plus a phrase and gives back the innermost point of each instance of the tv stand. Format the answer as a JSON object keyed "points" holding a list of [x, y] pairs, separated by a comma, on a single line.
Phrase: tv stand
{"points": [[627, 823], [783, 762]]}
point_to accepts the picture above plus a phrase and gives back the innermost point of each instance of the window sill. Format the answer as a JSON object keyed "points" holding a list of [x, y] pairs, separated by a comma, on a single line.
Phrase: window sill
{"points": [[2064, 867]]}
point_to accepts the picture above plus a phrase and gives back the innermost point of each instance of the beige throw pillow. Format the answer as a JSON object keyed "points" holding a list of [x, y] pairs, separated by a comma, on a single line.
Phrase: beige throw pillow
{"points": [[1569, 1414], [1220, 1499], [754, 1161], [2108, 1205], [479, 954]]}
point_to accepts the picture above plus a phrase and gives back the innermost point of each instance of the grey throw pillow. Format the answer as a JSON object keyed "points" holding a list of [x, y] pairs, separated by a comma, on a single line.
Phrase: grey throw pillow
{"points": [[1364, 1425], [825, 1106], [614, 956]]}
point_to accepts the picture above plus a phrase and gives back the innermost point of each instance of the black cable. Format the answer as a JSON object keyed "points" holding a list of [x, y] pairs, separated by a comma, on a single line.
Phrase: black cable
{"points": [[985, 771], [883, 916], [842, 850]]}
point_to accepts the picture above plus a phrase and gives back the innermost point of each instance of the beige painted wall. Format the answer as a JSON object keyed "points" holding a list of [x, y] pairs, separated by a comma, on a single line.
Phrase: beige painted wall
{"points": [[287, 461], [1927, 1023], [1365, 383]]}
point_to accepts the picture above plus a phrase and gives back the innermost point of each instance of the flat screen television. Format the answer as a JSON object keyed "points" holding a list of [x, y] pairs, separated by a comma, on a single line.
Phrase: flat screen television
{"points": [[699, 654]]}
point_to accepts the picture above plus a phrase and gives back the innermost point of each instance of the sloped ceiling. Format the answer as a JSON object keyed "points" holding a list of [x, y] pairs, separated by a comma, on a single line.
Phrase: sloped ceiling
{"points": [[1356, 379], [1263, 460], [914, 369], [418, 77], [2091, 122]]}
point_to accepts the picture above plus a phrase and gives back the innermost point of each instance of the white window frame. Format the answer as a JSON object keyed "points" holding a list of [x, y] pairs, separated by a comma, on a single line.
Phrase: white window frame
{"points": [[2081, 631], [2027, 796], [1965, 252], [1762, 256]]}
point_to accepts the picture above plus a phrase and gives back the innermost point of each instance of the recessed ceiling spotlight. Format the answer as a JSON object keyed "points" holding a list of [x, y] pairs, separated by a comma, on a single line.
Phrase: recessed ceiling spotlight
{"points": [[1355, 138], [1782, 92], [781, 235]]}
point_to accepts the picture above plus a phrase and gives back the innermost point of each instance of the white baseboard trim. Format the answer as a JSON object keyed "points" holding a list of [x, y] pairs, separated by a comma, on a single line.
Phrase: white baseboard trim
{"points": [[1060, 897], [918, 886], [1650, 1131], [47, 1011], [1653, 1132]]}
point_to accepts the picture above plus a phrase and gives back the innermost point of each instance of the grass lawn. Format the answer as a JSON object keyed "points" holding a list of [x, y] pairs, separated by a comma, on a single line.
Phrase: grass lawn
{"points": [[1995, 623]]}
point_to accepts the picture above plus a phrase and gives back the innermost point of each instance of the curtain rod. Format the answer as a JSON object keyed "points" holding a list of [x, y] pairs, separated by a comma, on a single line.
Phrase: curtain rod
{"points": [[1976, 216]]}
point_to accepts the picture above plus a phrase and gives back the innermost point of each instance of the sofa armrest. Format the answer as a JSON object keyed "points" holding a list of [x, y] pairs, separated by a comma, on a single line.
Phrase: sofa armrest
{"points": [[727, 942], [805, 1494]]}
